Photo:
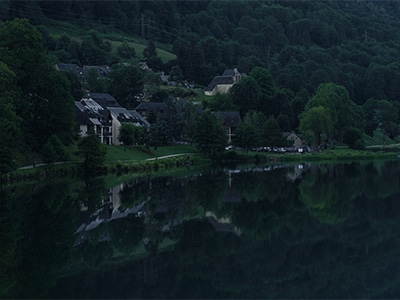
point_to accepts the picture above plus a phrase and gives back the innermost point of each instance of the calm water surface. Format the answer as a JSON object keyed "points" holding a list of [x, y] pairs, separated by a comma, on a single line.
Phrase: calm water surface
{"points": [[293, 231]]}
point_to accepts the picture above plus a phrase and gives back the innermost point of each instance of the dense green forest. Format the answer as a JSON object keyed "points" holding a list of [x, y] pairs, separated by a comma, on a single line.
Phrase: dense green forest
{"points": [[327, 68]]}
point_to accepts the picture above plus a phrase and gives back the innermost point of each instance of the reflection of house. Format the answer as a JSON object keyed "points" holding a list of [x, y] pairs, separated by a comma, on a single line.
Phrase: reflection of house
{"points": [[222, 84], [230, 121], [222, 224], [294, 139], [295, 173]]}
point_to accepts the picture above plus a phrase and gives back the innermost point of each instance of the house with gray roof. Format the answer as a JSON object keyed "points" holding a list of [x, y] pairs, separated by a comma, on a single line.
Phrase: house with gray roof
{"points": [[93, 118], [110, 116], [73, 68], [222, 84]]}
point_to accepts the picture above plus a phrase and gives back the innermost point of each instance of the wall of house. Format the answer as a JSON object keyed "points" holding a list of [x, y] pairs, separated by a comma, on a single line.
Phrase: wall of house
{"points": [[297, 142], [223, 88], [115, 132]]}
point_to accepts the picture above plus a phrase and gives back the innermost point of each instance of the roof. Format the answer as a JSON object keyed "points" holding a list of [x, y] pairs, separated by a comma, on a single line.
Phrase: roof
{"points": [[70, 68], [91, 104], [229, 118], [102, 71], [103, 99], [86, 116], [125, 116], [139, 117]]}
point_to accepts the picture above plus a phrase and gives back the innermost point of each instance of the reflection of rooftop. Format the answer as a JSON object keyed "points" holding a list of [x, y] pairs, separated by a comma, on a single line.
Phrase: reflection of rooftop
{"points": [[222, 224]]}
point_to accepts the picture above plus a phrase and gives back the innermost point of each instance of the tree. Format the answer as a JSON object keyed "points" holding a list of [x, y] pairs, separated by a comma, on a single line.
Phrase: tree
{"points": [[272, 134], [126, 51], [387, 116], [343, 113], [150, 50], [44, 103], [245, 136], [264, 81], [127, 134], [210, 135], [126, 84], [317, 121], [246, 94], [10, 133], [93, 152]]}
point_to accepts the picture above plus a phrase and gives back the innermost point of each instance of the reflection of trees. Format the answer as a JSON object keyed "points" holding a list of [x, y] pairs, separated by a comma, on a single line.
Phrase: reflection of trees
{"points": [[134, 192], [92, 193], [255, 186], [208, 189], [11, 236], [328, 192], [282, 253], [382, 179], [46, 221]]}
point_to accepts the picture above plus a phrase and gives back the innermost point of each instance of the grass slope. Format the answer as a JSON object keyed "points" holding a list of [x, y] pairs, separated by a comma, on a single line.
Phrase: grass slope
{"points": [[120, 154], [115, 37]]}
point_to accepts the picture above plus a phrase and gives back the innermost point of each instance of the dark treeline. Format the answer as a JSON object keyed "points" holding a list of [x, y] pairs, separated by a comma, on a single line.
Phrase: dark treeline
{"points": [[302, 43]]}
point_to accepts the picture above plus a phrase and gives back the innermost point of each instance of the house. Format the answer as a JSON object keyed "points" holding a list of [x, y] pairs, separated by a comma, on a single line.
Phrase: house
{"points": [[222, 84], [111, 116], [74, 68], [94, 119], [102, 71], [294, 139], [121, 116], [230, 120]]}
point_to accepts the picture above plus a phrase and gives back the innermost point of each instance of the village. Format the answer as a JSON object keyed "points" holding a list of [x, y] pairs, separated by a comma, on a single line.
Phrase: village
{"points": [[102, 113]]}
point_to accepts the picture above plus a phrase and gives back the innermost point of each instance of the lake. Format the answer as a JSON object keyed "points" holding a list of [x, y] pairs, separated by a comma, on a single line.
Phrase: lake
{"points": [[273, 231]]}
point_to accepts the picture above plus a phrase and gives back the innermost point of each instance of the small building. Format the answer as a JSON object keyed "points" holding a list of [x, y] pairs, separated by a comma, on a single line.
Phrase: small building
{"points": [[102, 71], [222, 84], [73, 68], [293, 139]]}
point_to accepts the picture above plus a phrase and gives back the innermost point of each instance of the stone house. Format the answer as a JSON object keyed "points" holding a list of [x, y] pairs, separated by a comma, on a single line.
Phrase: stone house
{"points": [[222, 84]]}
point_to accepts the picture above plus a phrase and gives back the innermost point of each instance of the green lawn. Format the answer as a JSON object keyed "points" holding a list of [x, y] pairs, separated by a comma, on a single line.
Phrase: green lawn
{"points": [[138, 154]]}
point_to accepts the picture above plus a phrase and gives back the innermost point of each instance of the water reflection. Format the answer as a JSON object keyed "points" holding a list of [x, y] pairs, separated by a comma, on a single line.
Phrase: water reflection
{"points": [[283, 231]]}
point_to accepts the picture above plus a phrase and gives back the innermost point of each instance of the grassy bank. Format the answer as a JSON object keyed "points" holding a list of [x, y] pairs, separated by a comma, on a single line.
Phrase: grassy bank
{"points": [[121, 160]]}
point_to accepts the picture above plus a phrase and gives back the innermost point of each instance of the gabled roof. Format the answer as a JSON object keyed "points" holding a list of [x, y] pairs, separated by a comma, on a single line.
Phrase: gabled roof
{"points": [[139, 117], [68, 67], [103, 99], [229, 118], [87, 116], [102, 71], [74, 68]]}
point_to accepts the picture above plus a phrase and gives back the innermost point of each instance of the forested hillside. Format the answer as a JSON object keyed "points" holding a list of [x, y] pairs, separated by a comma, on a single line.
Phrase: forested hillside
{"points": [[327, 68], [302, 43]]}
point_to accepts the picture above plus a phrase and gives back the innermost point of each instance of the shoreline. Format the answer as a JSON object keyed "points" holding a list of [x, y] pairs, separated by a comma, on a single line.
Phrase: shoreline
{"points": [[44, 172]]}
